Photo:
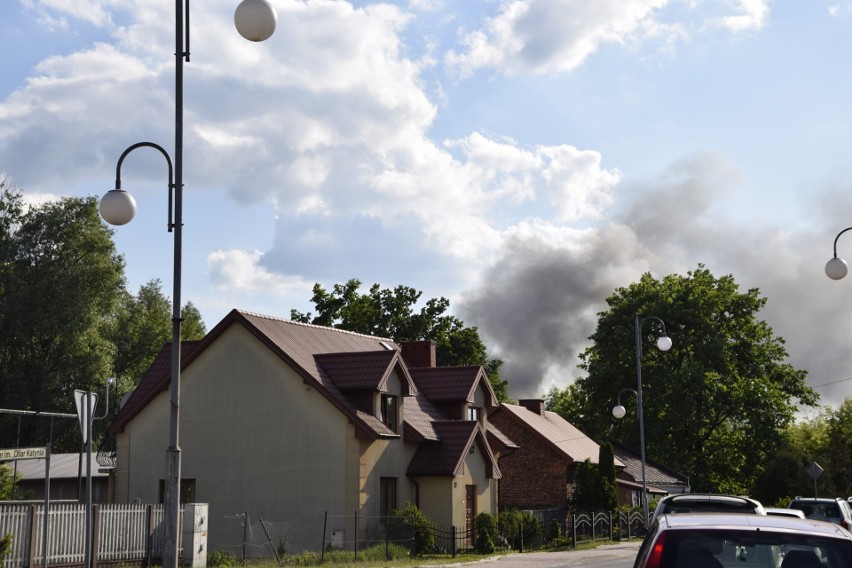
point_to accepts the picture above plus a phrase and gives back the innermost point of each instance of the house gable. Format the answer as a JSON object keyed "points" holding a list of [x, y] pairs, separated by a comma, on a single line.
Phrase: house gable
{"points": [[297, 344]]}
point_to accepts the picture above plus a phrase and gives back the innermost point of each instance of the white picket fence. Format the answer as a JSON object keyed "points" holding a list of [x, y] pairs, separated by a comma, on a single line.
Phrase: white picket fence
{"points": [[122, 533]]}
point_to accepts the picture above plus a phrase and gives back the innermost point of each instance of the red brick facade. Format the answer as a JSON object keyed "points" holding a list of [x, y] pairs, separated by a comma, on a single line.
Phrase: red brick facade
{"points": [[534, 475]]}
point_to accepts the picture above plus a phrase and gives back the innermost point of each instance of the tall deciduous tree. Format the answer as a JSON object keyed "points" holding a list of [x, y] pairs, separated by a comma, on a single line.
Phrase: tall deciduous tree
{"points": [[142, 324], [391, 313], [61, 275], [66, 319], [716, 404]]}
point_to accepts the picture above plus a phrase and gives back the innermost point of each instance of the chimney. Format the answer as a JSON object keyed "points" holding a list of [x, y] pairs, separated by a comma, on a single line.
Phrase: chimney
{"points": [[419, 353], [533, 405]]}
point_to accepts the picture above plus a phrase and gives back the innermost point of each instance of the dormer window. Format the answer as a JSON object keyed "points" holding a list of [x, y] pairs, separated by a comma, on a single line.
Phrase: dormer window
{"points": [[390, 411], [474, 413]]}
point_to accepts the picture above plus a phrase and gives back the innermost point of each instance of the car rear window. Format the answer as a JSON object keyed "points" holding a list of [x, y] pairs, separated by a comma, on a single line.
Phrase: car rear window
{"points": [[829, 510], [756, 549], [707, 507]]}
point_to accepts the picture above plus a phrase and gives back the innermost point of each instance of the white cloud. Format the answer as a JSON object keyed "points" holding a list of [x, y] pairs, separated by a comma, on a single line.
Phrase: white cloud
{"points": [[242, 270], [551, 36]]}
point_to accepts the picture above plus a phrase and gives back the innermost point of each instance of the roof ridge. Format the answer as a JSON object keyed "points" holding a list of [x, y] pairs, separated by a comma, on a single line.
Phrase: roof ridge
{"points": [[312, 325]]}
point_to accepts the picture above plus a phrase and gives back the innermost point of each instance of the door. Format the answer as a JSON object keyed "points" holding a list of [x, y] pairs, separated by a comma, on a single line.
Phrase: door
{"points": [[469, 513]]}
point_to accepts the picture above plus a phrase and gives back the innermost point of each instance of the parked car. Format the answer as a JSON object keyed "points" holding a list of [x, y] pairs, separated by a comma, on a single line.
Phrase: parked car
{"points": [[725, 540], [837, 511], [707, 503], [785, 512]]}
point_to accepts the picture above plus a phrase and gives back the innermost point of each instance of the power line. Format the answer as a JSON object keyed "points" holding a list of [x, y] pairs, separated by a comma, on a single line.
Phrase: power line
{"points": [[831, 383]]}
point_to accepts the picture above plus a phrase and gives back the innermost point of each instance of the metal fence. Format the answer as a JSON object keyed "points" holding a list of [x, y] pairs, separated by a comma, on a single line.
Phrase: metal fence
{"points": [[120, 533], [251, 538]]}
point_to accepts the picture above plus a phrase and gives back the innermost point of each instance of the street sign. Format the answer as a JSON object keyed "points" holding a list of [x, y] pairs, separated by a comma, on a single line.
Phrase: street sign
{"points": [[80, 401], [23, 454], [814, 470]]}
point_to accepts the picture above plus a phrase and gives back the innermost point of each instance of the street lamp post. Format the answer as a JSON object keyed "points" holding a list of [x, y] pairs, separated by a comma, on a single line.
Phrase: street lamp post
{"points": [[836, 268], [664, 343], [256, 21]]}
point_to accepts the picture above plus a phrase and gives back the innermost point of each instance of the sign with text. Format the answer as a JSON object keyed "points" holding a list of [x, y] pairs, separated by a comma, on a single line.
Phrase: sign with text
{"points": [[23, 454]]}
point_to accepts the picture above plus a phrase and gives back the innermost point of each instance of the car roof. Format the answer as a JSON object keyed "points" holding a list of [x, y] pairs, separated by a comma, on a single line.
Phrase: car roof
{"points": [[785, 511], [722, 521], [718, 497]]}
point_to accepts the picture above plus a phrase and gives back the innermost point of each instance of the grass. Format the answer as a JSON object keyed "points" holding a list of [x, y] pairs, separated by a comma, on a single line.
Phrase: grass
{"points": [[374, 557]]}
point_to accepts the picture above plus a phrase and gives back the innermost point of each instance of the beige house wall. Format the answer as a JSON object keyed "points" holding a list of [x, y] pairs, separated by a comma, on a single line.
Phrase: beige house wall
{"points": [[254, 437]]}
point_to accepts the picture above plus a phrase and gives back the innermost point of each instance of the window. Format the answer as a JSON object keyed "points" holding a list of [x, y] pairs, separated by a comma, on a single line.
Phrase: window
{"points": [[473, 413], [389, 411], [387, 495], [187, 491]]}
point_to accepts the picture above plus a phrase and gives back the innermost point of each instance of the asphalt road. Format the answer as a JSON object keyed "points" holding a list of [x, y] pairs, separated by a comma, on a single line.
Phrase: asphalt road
{"points": [[617, 555]]}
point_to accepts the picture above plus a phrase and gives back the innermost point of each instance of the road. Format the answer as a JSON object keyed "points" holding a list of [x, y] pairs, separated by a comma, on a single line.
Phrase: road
{"points": [[617, 555]]}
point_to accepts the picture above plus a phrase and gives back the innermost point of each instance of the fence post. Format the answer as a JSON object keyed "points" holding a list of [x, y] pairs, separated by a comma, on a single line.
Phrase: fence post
{"points": [[574, 528], [522, 535], [31, 553], [149, 537], [356, 535], [245, 535], [453, 536], [96, 541], [324, 527]]}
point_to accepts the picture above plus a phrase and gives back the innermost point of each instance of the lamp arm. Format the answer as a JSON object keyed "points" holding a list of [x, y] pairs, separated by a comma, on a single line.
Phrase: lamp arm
{"points": [[168, 161], [837, 237], [622, 391]]}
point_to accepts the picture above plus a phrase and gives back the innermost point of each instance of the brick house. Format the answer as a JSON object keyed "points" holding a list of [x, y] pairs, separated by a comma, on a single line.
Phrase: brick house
{"points": [[290, 422], [538, 473]]}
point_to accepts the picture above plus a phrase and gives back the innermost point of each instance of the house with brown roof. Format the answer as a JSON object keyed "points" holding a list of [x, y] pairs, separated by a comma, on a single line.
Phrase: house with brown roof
{"points": [[659, 479], [538, 472], [308, 425]]}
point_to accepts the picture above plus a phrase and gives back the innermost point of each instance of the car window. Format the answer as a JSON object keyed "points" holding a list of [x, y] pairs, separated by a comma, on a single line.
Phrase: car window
{"points": [[752, 549]]}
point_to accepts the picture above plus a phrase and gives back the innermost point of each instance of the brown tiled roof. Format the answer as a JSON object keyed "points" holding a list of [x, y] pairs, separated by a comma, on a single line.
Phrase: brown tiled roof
{"points": [[560, 434], [358, 370], [452, 384], [446, 457], [296, 343], [498, 439], [654, 472], [420, 415]]}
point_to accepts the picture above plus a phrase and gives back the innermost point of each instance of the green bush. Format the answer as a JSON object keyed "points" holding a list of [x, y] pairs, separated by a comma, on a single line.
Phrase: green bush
{"points": [[518, 528], [486, 532], [411, 523], [5, 546], [221, 559]]}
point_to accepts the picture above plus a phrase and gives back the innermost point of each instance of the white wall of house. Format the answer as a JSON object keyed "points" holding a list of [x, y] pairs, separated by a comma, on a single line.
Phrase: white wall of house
{"points": [[254, 437]]}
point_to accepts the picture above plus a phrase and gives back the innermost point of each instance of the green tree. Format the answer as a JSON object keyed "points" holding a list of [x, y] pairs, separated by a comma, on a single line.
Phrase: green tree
{"points": [[566, 402], [142, 324], [61, 274], [715, 405], [391, 313], [838, 457], [587, 483], [7, 482], [606, 466]]}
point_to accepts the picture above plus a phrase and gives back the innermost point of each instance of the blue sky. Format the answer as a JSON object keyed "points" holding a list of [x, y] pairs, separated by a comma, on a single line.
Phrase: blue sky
{"points": [[522, 158]]}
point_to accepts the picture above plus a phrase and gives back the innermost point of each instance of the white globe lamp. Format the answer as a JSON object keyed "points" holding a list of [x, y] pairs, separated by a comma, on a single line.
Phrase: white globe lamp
{"points": [[255, 20]]}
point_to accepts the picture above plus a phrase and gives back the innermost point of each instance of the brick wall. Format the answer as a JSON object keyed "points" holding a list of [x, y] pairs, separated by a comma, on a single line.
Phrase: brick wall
{"points": [[534, 475]]}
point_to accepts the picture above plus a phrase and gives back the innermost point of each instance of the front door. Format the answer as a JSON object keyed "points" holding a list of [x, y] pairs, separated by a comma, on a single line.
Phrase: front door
{"points": [[469, 512]]}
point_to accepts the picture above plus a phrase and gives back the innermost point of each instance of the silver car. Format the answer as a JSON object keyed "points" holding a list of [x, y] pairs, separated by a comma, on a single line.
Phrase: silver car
{"points": [[726, 540], [707, 503]]}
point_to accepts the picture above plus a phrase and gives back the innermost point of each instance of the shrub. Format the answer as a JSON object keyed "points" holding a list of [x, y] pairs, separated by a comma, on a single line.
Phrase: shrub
{"points": [[220, 558], [409, 521], [486, 532]]}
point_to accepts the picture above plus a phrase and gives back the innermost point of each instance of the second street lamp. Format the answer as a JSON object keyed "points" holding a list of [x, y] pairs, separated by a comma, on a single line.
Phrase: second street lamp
{"points": [[255, 20], [836, 268], [664, 343]]}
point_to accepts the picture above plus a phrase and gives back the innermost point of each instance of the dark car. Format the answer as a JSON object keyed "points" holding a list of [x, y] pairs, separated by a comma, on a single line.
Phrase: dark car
{"points": [[707, 503], [717, 540], [837, 511]]}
